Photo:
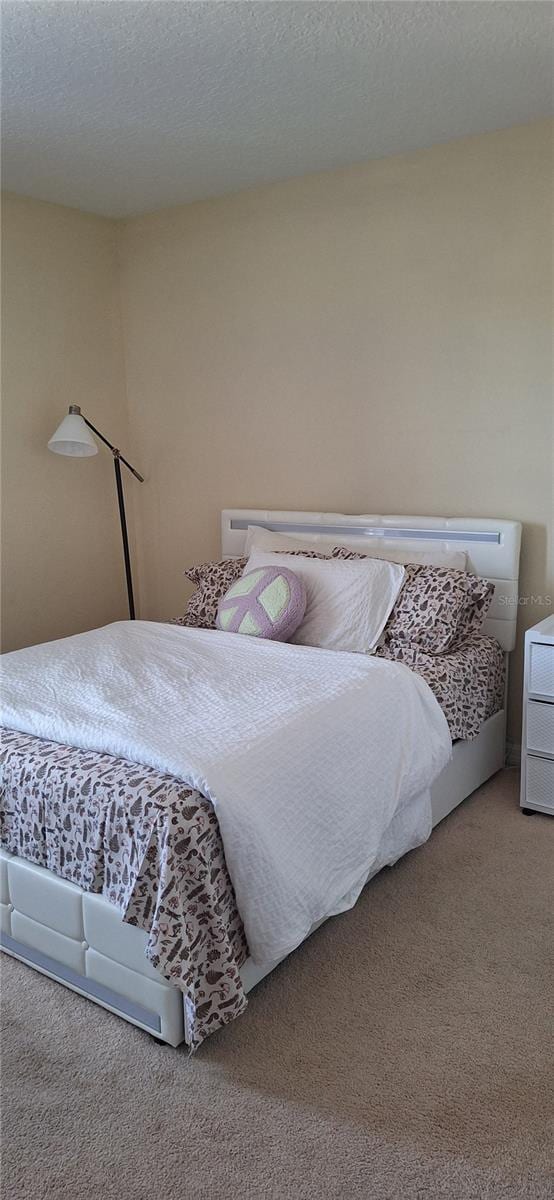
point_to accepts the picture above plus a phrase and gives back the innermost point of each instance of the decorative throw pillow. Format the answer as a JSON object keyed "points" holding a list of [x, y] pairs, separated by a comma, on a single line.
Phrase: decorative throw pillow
{"points": [[437, 608], [269, 602], [212, 580]]}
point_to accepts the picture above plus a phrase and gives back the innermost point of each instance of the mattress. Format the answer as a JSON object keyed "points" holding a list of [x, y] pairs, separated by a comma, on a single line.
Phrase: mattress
{"points": [[152, 847], [468, 682]]}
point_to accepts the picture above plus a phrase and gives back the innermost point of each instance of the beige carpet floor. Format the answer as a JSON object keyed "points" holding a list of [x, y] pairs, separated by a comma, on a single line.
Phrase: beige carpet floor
{"points": [[404, 1051]]}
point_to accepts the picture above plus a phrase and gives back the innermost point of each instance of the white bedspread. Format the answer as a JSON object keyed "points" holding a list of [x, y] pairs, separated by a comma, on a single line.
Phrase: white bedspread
{"points": [[308, 755]]}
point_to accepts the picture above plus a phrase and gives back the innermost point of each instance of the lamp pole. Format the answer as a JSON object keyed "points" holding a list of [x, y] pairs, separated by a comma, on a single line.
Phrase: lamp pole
{"points": [[118, 458]]}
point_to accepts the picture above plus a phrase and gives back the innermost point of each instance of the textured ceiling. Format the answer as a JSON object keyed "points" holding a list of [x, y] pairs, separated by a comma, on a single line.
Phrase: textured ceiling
{"points": [[123, 107]]}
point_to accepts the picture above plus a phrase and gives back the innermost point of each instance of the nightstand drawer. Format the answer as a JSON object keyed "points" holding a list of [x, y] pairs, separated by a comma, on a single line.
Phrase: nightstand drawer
{"points": [[539, 782], [541, 669], [540, 727]]}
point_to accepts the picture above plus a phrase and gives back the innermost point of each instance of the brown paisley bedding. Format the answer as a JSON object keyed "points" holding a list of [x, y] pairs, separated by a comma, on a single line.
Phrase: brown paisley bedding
{"points": [[152, 847], [468, 682], [146, 843]]}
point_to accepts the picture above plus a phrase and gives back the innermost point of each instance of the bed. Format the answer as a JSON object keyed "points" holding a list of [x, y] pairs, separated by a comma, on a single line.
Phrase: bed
{"points": [[64, 928]]}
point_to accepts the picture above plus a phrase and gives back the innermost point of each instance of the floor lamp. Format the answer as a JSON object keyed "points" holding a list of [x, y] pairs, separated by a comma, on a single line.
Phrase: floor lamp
{"points": [[72, 437]]}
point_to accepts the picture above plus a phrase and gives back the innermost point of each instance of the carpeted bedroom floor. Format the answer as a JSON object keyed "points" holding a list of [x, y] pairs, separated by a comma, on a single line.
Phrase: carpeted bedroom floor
{"points": [[404, 1051]]}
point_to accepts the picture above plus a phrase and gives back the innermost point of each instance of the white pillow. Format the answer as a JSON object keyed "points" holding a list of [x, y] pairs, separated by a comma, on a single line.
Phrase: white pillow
{"points": [[349, 602], [263, 539]]}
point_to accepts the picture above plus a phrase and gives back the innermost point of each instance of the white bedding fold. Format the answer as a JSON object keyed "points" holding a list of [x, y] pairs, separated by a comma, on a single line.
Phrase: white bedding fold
{"points": [[307, 755]]}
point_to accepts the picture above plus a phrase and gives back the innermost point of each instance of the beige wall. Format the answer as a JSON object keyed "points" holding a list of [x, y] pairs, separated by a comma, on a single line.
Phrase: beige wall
{"points": [[61, 558], [372, 339]]}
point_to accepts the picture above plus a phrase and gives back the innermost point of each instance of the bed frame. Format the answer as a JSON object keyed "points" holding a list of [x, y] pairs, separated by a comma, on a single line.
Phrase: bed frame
{"points": [[79, 939]]}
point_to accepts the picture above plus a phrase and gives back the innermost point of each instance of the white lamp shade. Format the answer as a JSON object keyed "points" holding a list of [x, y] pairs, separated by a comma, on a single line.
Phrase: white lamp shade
{"points": [[73, 437]]}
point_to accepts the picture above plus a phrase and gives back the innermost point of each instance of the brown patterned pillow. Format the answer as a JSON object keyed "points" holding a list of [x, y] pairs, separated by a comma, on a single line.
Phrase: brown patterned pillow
{"points": [[212, 580], [437, 608], [300, 553]]}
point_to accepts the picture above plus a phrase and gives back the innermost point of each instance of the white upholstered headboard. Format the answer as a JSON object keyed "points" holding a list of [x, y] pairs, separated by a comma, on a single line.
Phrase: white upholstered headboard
{"points": [[492, 547]]}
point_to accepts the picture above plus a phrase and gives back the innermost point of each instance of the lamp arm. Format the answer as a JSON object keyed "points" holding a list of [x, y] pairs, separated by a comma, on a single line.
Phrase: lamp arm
{"points": [[116, 453]]}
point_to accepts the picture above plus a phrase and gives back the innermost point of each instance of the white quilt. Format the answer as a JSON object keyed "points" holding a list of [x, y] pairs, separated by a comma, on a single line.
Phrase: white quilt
{"points": [[307, 755]]}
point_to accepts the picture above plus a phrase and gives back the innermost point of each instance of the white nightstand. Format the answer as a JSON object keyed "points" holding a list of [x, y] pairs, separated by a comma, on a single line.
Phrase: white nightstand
{"points": [[537, 741]]}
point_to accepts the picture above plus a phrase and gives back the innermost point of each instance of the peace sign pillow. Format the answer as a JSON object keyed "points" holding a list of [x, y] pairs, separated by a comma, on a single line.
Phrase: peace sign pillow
{"points": [[268, 602]]}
